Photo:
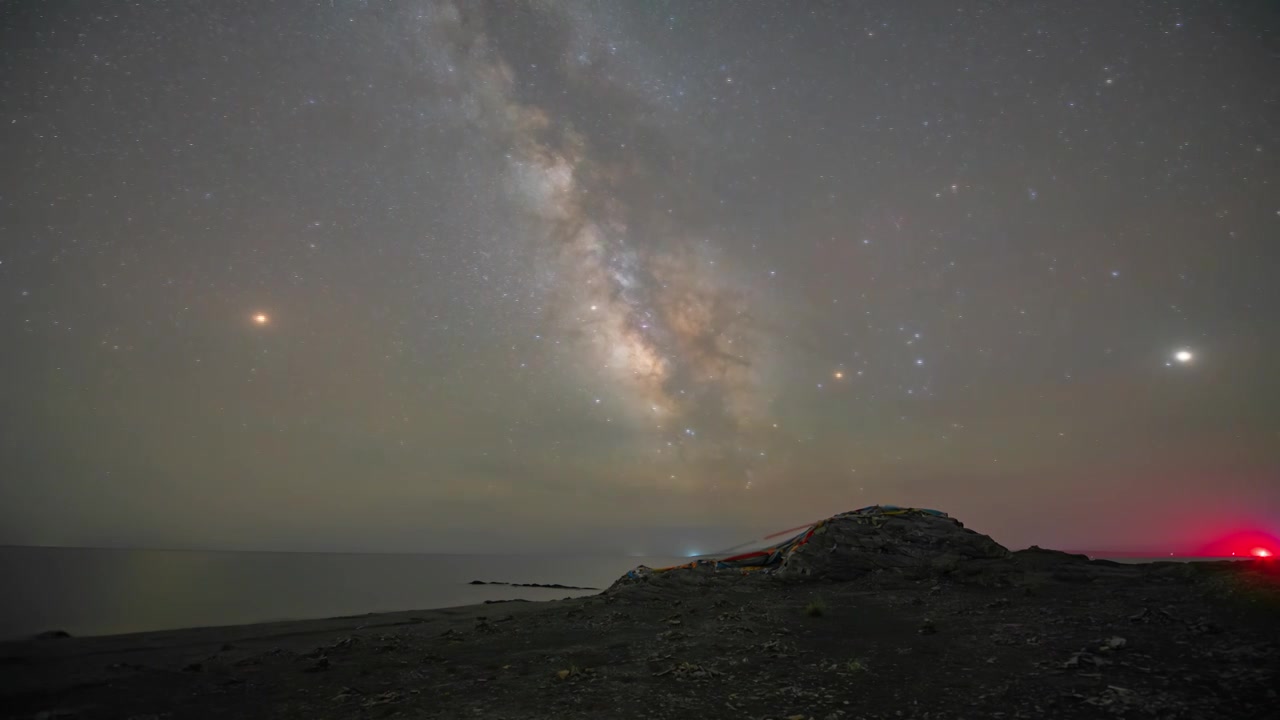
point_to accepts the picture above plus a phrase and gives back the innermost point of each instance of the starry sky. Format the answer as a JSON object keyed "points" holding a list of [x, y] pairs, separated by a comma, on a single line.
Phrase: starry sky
{"points": [[433, 276]]}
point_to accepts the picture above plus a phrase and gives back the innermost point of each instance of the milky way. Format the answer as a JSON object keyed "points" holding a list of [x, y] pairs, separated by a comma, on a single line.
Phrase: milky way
{"points": [[637, 294], [369, 275]]}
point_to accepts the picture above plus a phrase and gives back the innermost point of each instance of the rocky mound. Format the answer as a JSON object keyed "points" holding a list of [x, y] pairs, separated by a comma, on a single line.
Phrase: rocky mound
{"points": [[853, 545], [849, 546]]}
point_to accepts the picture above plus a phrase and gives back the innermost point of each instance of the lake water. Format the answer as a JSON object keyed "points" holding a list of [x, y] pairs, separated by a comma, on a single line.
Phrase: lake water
{"points": [[104, 592]]}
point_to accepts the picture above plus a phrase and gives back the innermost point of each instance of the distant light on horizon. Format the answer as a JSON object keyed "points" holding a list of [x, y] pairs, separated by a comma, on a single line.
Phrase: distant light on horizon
{"points": [[1184, 356], [261, 319], [1242, 543]]}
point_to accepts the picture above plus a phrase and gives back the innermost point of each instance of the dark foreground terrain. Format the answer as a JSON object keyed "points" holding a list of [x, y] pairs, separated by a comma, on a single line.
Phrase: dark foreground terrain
{"points": [[1050, 635]]}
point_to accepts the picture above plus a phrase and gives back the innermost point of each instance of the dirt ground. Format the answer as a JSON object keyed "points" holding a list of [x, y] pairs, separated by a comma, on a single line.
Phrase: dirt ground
{"points": [[1057, 638]]}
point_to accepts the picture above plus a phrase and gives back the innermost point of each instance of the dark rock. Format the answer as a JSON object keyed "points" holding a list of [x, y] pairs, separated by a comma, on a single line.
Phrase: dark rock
{"points": [[1112, 644], [345, 643], [1203, 627], [193, 668], [847, 547], [553, 586], [389, 697], [53, 635], [1038, 558], [1084, 658], [346, 693]]}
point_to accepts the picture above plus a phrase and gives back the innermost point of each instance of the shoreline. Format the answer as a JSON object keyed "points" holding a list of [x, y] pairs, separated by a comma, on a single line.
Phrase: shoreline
{"points": [[266, 629], [82, 592], [61, 635]]}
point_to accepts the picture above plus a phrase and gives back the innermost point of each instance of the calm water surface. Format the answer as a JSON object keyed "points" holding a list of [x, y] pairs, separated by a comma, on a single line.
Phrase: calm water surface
{"points": [[103, 592]]}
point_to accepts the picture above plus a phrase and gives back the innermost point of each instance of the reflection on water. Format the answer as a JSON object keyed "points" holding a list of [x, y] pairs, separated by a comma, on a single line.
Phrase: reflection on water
{"points": [[101, 592]]}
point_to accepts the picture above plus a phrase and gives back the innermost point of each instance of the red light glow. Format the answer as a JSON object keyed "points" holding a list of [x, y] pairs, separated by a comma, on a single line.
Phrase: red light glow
{"points": [[1241, 544]]}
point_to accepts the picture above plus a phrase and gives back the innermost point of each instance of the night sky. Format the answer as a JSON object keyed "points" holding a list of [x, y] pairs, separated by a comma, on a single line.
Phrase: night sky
{"points": [[636, 276]]}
